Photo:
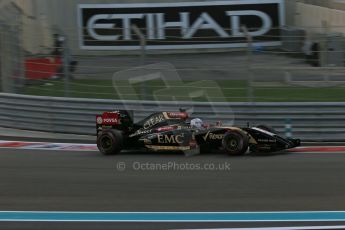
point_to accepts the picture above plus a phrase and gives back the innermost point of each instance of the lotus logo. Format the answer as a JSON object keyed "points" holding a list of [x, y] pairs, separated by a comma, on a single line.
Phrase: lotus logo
{"points": [[99, 120]]}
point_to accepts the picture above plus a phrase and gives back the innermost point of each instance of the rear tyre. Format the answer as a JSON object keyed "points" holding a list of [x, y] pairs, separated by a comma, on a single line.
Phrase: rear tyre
{"points": [[235, 143], [267, 128], [110, 142]]}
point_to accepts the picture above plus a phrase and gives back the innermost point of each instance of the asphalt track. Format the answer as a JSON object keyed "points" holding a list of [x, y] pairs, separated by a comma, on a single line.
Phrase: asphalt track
{"points": [[87, 181]]}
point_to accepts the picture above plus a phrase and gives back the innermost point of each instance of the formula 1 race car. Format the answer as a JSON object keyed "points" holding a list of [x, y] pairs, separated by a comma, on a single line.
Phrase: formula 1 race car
{"points": [[175, 131]]}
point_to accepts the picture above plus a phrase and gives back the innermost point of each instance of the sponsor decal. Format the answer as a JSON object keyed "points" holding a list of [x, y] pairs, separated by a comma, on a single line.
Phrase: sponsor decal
{"points": [[170, 139], [212, 136], [109, 120], [266, 147], [215, 24], [177, 115], [99, 120], [147, 141], [164, 129], [153, 121], [141, 132], [267, 140]]}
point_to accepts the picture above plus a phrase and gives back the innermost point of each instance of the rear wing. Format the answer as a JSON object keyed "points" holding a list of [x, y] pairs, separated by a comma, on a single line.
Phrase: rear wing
{"points": [[108, 118], [120, 119]]}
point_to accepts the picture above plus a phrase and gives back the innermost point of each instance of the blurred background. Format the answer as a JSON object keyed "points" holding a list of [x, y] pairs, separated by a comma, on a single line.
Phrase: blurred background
{"points": [[38, 38], [253, 52]]}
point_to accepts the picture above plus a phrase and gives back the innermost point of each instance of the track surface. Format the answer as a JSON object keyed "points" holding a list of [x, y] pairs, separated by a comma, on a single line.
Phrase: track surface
{"points": [[87, 181]]}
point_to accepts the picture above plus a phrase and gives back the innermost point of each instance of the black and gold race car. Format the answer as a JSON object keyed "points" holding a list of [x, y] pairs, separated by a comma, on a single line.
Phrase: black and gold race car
{"points": [[175, 131]]}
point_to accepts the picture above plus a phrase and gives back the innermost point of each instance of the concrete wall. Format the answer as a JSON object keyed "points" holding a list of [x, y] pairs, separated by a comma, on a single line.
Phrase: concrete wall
{"points": [[35, 28], [11, 24], [333, 4], [312, 18], [312, 13]]}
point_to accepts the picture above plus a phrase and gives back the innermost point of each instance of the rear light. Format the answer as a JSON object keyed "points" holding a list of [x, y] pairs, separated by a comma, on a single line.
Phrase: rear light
{"points": [[108, 118]]}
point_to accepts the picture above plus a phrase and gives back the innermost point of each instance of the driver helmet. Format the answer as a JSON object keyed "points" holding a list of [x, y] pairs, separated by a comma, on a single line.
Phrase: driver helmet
{"points": [[196, 123]]}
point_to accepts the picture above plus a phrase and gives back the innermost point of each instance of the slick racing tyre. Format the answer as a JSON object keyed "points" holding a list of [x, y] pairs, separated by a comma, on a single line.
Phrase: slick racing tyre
{"points": [[267, 128], [235, 143], [110, 142]]}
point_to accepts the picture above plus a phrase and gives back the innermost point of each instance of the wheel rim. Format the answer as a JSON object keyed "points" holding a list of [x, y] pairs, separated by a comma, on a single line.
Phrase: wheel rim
{"points": [[232, 144], [106, 142]]}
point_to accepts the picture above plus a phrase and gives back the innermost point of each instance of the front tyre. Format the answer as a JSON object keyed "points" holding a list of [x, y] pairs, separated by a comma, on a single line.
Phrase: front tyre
{"points": [[110, 142], [235, 143]]}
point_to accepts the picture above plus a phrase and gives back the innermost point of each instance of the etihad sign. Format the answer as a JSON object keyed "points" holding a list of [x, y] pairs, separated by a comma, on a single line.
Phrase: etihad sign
{"points": [[212, 24], [156, 25]]}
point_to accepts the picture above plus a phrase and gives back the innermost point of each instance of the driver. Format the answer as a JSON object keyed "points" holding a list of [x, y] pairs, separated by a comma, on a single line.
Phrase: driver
{"points": [[196, 123]]}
